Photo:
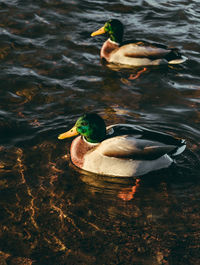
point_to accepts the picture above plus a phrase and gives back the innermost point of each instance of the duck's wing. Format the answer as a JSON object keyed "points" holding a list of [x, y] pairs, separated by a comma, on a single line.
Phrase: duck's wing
{"points": [[133, 148], [143, 50], [141, 133], [166, 139]]}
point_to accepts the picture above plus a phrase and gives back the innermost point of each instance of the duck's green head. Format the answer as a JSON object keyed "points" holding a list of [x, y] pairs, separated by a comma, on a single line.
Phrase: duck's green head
{"points": [[90, 125], [113, 28]]}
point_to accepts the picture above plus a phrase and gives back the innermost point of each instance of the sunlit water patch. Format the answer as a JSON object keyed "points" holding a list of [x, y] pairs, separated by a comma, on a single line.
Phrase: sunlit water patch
{"points": [[51, 73]]}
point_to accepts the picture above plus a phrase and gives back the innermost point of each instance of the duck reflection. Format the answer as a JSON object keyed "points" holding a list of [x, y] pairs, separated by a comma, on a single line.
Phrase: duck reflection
{"points": [[122, 188]]}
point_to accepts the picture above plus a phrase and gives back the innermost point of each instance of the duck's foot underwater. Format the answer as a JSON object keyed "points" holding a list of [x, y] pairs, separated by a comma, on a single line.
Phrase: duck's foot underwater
{"points": [[127, 194], [132, 77]]}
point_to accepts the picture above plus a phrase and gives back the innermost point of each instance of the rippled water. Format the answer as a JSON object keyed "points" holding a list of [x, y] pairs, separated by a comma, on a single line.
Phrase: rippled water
{"points": [[51, 213]]}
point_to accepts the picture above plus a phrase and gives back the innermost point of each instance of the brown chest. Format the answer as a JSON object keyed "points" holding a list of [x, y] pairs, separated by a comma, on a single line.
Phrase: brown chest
{"points": [[107, 49], [78, 149]]}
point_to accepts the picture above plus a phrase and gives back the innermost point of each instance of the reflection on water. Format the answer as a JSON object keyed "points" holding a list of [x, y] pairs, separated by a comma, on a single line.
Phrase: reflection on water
{"points": [[123, 188], [53, 213]]}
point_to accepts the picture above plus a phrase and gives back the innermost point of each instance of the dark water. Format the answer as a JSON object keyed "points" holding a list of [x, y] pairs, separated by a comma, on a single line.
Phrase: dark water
{"points": [[50, 74]]}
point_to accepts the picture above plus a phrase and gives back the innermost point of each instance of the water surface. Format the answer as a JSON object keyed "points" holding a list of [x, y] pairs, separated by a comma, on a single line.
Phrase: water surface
{"points": [[52, 213]]}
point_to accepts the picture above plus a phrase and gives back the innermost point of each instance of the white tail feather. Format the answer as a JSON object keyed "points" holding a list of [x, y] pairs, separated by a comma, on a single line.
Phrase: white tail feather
{"points": [[178, 61]]}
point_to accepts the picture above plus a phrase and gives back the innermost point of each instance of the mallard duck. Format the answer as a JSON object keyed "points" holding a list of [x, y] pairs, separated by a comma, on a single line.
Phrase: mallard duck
{"points": [[120, 150], [138, 53]]}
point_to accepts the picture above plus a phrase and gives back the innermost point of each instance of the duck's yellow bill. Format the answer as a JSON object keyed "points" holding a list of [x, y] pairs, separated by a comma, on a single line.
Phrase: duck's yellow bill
{"points": [[68, 134], [98, 32]]}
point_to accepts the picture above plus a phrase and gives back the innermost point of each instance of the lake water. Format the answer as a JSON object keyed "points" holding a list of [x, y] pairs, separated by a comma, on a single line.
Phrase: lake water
{"points": [[50, 212]]}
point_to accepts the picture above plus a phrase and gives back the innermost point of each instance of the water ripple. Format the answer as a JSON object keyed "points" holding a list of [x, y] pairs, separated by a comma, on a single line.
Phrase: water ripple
{"points": [[51, 73]]}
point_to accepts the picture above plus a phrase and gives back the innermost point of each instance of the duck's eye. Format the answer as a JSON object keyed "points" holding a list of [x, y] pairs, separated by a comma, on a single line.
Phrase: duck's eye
{"points": [[84, 124]]}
